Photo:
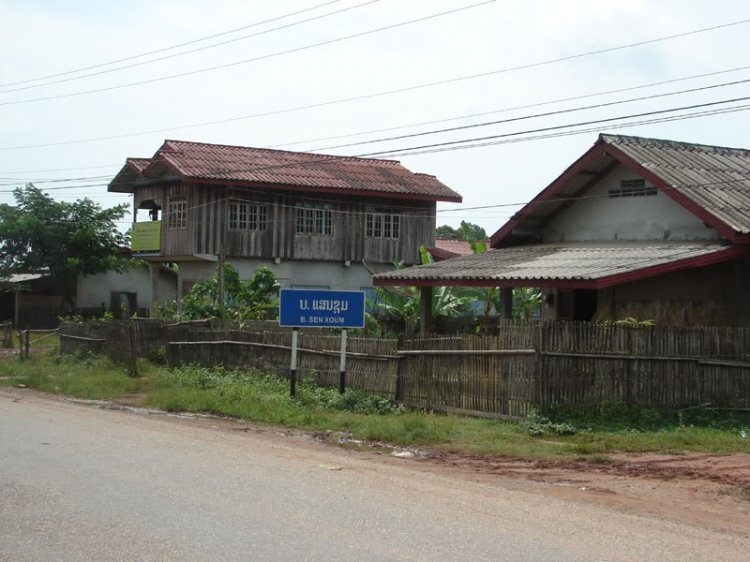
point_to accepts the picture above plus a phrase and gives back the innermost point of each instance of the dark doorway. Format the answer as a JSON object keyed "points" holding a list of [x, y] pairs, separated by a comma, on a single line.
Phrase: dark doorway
{"points": [[584, 304]]}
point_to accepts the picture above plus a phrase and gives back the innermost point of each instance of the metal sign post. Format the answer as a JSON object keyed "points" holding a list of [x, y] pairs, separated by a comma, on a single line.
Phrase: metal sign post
{"points": [[342, 369], [293, 366], [302, 308]]}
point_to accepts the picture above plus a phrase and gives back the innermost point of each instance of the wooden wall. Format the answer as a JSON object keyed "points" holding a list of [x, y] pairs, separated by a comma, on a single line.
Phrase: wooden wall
{"points": [[207, 211]]}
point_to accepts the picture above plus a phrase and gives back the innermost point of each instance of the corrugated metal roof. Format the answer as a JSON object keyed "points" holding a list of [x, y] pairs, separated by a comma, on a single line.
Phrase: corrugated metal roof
{"points": [[559, 262], [197, 161], [714, 177], [24, 277]]}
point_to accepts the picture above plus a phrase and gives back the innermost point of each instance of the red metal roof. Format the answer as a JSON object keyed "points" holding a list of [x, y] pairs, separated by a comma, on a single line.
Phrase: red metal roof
{"points": [[447, 248], [279, 168], [458, 247]]}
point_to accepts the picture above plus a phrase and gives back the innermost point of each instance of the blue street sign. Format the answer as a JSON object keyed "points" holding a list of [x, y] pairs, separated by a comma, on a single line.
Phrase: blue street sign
{"points": [[304, 308]]}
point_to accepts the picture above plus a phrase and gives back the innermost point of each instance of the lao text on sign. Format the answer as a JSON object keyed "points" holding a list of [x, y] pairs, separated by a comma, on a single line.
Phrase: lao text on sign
{"points": [[322, 309]]}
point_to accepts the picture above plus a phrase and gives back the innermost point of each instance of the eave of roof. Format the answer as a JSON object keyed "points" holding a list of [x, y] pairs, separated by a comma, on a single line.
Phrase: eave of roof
{"points": [[590, 265]]}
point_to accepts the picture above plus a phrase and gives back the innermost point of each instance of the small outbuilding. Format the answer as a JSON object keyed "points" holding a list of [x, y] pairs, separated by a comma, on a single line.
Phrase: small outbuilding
{"points": [[636, 227]]}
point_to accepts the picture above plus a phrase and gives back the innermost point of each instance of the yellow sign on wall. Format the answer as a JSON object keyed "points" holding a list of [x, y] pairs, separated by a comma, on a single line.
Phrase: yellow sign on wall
{"points": [[146, 237]]}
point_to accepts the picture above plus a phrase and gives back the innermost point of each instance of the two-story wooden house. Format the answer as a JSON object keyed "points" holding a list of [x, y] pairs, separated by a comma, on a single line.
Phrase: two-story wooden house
{"points": [[316, 220]]}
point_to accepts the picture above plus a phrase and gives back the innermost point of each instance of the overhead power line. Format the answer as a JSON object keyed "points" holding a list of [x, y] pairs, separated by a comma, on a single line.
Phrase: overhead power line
{"points": [[515, 108], [423, 215], [254, 59], [517, 136], [544, 129], [197, 49], [600, 128], [170, 48], [365, 97], [470, 142], [538, 115], [483, 124]]}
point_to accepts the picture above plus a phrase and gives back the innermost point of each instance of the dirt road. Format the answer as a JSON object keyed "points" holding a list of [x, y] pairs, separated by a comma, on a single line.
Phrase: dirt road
{"points": [[81, 483]]}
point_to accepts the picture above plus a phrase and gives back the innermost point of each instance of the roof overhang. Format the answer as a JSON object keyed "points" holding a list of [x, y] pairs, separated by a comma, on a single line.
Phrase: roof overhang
{"points": [[580, 266], [333, 190]]}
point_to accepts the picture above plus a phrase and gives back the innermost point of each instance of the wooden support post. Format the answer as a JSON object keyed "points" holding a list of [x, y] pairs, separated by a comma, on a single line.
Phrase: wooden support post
{"points": [[399, 395], [17, 322], [506, 303], [222, 247], [342, 368], [536, 344], [155, 270], [19, 334], [133, 352], [425, 311], [27, 344]]}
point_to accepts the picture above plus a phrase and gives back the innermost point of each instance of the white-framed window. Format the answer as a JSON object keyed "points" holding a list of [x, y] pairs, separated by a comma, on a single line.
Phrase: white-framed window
{"points": [[382, 223], [313, 219], [247, 216], [177, 211], [632, 188]]}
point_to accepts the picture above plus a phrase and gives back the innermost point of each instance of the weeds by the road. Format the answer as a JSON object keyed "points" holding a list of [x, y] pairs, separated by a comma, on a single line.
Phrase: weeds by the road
{"points": [[265, 399]]}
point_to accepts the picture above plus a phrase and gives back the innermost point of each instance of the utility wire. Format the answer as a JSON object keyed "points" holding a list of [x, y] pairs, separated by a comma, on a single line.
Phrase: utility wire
{"points": [[165, 57], [507, 137], [537, 115], [507, 109], [556, 127], [581, 131], [164, 49], [422, 215], [441, 147], [254, 59], [364, 97], [483, 124]]}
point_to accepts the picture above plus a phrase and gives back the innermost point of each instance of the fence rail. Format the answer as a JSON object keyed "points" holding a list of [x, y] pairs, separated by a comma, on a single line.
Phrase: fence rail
{"points": [[525, 366]]}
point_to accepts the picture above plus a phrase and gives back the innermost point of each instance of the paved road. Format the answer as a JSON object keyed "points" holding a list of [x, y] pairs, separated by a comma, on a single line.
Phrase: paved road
{"points": [[84, 484]]}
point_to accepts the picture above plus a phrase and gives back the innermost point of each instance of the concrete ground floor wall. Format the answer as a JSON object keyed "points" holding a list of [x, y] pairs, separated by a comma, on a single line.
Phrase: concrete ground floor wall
{"points": [[301, 274], [95, 291]]}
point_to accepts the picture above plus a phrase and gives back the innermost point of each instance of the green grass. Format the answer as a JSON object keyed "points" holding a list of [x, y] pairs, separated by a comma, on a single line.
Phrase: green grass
{"points": [[265, 400], [53, 340]]}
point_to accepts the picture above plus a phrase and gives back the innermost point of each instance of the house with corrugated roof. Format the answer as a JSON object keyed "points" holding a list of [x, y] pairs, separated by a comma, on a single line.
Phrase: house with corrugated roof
{"points": [[318, 221], [636, 227], [447, 248]]}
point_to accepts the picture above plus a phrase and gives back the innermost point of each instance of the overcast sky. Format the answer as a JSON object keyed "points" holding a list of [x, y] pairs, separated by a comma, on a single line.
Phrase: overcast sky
{"points": [[41, 38]]}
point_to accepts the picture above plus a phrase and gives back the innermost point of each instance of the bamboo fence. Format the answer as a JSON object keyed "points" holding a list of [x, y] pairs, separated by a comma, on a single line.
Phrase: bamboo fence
{"points": [[526, 366], [6, 335]]}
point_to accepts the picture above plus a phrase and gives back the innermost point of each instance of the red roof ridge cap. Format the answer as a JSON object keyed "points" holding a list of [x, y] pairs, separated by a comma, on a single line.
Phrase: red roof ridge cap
{"points": [[332, 156]]}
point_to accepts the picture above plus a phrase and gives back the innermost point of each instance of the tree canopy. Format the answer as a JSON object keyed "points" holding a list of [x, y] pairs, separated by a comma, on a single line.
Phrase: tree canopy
{"points": [[467, 229], [40, 233]]}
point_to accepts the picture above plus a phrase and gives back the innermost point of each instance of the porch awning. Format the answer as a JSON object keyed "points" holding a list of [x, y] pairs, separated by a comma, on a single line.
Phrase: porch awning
{"points": [[572, 265]]}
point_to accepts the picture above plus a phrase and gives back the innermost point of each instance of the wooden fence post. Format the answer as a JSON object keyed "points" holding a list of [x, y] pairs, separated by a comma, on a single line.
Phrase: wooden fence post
{"points": [[400, 380], [536, 344], [133, 353], [28, 338]]}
